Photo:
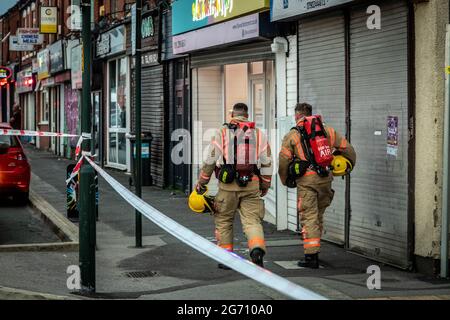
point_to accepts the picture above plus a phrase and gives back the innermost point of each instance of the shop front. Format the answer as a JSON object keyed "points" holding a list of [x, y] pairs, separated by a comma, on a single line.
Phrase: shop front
{"points": [[59, 76], [43, 97], [8, 92], [25, 88], [356, 73], [244, 72], [153, 112], [178, 108], [111, 47]]}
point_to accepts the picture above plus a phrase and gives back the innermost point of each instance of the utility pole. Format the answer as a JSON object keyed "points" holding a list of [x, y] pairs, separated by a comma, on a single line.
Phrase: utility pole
{"points": [[138, 101], [87, 173]]}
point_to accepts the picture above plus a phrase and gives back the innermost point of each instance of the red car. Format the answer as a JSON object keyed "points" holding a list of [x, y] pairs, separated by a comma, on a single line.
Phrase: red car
{"points": [[15, 170]]}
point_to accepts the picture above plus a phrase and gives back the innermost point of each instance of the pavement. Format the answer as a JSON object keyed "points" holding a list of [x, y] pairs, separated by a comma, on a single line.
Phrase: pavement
{"points": [[165, 268]]}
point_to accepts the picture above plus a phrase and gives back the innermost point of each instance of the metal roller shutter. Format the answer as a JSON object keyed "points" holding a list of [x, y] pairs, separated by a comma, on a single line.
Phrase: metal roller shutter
{"points": [[322, 84], [379, 184], [153, 118], [207, 116], [240, 54]]}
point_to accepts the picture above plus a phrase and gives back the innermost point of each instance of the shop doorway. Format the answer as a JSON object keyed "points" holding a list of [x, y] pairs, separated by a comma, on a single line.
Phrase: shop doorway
{"points": [[216, 89], [180, 179]]}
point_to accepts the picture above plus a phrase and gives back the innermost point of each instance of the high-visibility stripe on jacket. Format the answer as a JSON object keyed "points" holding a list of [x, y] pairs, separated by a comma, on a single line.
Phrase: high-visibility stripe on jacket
{"points": [[292, 146], [220, 146]]}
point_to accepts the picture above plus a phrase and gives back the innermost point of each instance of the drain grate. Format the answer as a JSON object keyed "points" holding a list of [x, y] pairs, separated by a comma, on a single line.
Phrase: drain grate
{"points": [[141, 274]]}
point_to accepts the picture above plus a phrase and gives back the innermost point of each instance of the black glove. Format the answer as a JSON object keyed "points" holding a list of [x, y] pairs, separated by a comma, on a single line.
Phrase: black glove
{"points": [[201, 189]]}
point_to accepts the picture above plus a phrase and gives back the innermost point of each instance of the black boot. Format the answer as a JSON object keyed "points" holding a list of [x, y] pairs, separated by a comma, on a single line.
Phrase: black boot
{"points": [[257, 256], [310, 261], [223, 267]]}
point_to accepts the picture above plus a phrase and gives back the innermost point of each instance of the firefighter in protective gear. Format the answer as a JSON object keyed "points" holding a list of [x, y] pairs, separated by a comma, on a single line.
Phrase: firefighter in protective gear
{"points": [[314, 192], [243, 191]]}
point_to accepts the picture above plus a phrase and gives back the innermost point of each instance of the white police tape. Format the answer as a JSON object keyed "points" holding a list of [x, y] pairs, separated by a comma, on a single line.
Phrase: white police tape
{"points": [[206, 247], [12, 132], [75, 170], [77, 167]]}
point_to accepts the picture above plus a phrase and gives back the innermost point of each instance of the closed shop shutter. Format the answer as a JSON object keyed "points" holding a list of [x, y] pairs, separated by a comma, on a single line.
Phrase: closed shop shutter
{"points": [[322, 84], [240, 54], [207, 116], [153, 118], [379, 92]]}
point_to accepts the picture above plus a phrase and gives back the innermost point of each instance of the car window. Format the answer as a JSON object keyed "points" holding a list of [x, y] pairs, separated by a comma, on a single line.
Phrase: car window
{"points": [[10, 141]]}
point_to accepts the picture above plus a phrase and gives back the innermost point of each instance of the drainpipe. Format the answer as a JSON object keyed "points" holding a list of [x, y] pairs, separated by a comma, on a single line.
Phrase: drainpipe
{"points": [[446, 168], [160, 31]]}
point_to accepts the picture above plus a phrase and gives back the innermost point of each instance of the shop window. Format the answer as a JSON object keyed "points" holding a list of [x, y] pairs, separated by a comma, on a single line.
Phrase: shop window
{"points": [[121, 92], [112, 95], [250, 83], [257, 68], [236, 86], [45, 107], [118, 106]]}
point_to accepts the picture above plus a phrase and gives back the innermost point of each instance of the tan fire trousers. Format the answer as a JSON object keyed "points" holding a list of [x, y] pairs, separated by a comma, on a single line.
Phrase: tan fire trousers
{"points": [[312, 201], [251, 209]]}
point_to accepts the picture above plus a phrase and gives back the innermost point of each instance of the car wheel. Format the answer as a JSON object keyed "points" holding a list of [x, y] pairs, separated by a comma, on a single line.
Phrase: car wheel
{"points": [[22, 198]]}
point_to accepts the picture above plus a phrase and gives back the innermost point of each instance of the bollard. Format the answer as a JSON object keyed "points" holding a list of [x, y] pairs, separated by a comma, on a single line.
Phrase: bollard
{"points": [[87, 228]]}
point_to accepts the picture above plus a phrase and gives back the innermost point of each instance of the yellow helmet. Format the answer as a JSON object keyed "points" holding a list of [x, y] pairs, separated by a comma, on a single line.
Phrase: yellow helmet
{"points": [[341, 166], [201, 203]]}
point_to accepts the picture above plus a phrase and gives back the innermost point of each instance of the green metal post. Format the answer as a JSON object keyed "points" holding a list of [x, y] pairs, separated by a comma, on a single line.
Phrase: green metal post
{"points": [[138, 100], [87, 228], [87, 173]]}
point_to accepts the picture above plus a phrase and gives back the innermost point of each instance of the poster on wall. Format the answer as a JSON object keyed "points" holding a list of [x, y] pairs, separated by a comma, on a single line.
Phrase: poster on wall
{"points": [[392, 136], [71, 112], [56, 57]]}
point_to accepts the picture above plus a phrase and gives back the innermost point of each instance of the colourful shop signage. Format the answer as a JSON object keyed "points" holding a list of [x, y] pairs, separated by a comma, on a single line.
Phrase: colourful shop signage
{"points": [[288, 9], [43, 58], [188, 15], [25, 81], [5, 73]]}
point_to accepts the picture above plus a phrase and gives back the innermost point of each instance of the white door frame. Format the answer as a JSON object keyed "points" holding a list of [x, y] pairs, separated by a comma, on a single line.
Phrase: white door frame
{"points": [[271, 197], [127, 166]]}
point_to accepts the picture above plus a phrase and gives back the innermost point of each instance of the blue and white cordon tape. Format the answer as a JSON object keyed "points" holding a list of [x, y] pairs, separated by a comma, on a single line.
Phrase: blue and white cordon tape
{"points": [[206, 247]]}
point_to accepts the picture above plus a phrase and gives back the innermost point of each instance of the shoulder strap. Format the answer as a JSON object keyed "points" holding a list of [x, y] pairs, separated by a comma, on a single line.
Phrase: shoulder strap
{"points": [[304, 141], [322, 132]]}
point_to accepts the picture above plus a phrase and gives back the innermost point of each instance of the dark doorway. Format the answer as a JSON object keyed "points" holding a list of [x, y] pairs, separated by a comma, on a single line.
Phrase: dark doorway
{"points": [[180, 134]]}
